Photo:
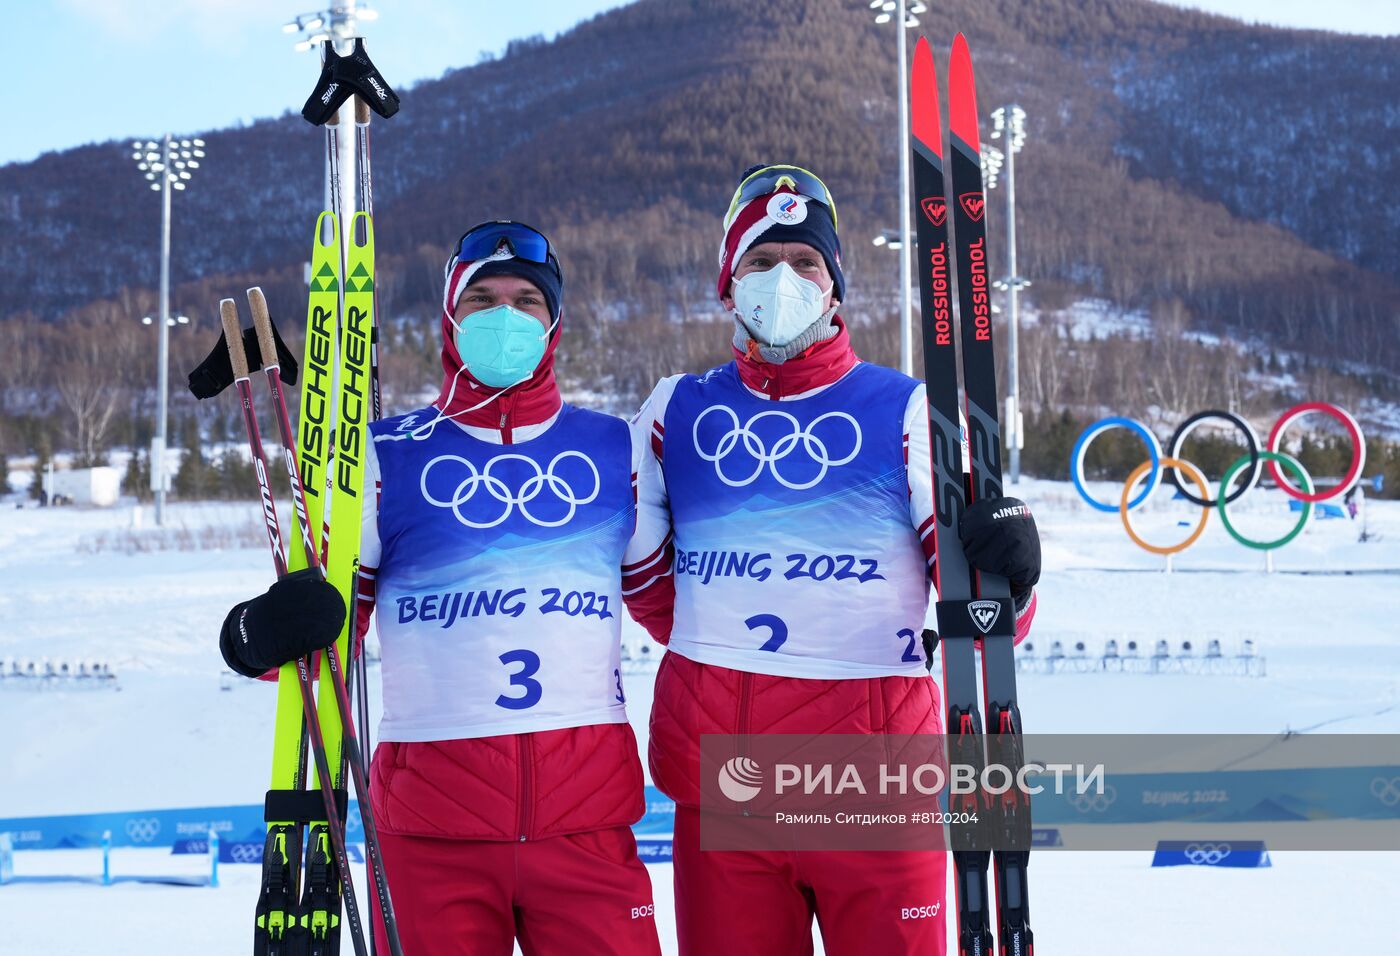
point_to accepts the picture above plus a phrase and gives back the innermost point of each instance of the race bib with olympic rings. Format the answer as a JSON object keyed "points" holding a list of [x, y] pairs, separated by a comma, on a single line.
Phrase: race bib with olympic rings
{"points": [[795, 552], [499, 589]]}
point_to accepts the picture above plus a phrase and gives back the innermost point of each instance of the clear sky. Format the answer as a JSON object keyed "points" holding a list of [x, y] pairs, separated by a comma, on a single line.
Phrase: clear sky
{"points": [[1345, 16], [91, 70]]}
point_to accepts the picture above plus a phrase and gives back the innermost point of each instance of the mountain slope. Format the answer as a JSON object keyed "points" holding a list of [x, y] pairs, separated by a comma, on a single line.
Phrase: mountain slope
{"points": [[1174, 156]]}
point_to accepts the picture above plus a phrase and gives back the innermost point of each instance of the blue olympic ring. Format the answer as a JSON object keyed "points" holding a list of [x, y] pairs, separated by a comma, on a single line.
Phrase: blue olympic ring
{"points": [[1154, 452]]}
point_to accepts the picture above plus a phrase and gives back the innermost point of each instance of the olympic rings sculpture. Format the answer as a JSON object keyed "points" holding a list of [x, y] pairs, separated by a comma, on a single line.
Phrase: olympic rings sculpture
{"points": [[743, 436], [511, 500], [1258, 457]]}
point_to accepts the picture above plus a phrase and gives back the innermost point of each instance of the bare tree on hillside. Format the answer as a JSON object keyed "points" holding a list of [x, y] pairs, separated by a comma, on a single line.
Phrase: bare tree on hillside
{"points": [[87, 376]]}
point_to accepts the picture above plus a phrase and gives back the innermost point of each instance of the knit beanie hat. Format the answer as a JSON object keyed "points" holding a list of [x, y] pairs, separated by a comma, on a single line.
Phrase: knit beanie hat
{"points": [[546, 277], [781, 216]]}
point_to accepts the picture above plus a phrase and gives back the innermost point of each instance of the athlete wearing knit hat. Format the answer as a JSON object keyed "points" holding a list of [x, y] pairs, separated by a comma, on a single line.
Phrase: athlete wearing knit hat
{"points": [[780, 313], [508, 365], [796, 447], [504, 247], [506, 777], [754, 217]]}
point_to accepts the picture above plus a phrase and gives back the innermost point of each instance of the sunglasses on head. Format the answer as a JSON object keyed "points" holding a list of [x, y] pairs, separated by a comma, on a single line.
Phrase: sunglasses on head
{"points": [[769, 179], [487, 239]]}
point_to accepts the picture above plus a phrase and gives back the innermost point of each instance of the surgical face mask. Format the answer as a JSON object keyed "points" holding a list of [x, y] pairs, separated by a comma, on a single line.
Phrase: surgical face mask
{"points": [[500, 346], [778, 305]]}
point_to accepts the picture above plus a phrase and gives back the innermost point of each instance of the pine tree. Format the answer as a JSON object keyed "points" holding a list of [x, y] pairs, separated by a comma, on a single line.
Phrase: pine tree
{"points": [[236, 474], [137, 480], [41, 466], [36, 482], [194, 479]]}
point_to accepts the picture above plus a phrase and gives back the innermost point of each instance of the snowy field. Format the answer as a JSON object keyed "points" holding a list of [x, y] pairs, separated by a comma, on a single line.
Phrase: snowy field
{"points": [[104, 585]]}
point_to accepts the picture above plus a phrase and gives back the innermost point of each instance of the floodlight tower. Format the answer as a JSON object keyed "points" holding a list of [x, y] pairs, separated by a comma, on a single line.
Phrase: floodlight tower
{"points": [[1009, 123], [168, 165], [907, 17]]}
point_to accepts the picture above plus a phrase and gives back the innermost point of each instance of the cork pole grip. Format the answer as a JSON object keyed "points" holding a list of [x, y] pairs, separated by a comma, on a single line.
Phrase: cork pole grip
{"points": [[262, 322], [233, 335], [361, 112]]}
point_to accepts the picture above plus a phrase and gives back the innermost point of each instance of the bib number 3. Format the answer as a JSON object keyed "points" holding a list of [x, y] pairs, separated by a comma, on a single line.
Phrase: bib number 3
{"points": [[529, 663]]}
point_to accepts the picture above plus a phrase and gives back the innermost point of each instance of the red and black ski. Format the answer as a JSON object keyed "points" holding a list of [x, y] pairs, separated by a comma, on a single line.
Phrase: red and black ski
{"points": [[971, 606]]}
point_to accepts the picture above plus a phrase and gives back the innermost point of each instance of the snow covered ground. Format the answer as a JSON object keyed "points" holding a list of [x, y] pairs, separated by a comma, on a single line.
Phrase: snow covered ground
{"points": [[99, 585]]}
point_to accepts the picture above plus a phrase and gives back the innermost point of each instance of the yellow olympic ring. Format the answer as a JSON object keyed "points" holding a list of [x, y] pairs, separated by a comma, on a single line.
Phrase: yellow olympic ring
{"points": [[1190, 471]]}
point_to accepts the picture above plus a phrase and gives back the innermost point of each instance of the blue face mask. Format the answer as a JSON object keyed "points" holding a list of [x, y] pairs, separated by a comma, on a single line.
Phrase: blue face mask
{"points": [[501, 346]]}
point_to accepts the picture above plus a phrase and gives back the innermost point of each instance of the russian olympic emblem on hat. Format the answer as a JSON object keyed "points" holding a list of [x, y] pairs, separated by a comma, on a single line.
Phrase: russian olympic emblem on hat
{"points": [[787, 209]]}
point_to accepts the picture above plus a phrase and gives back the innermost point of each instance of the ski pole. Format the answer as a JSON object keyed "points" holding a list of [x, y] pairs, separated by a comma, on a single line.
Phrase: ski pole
{"points": [[366, 183], [358, 679], [233, 333], [262, 322], [366, 195]]}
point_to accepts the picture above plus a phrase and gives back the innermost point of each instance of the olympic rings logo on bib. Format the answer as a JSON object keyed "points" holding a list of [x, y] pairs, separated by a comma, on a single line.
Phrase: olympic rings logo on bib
{"points": [[498, 494], [1172, 466], [740, 455]]}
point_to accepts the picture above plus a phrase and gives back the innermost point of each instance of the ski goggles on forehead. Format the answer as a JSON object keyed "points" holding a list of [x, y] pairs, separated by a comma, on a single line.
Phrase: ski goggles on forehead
{"points": [[770, 179], [487, 240]]}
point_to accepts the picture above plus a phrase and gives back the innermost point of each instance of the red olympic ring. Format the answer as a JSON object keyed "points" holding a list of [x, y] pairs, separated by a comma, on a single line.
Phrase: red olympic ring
{"points": [[1358, 449]]}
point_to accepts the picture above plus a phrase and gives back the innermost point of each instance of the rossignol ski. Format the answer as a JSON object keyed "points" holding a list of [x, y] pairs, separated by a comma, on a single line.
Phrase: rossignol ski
{"points": [[971, 606]]}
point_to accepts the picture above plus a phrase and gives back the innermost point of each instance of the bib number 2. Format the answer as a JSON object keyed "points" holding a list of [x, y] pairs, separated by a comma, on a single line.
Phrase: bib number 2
{"points": [[529, 663], [776, 626]]}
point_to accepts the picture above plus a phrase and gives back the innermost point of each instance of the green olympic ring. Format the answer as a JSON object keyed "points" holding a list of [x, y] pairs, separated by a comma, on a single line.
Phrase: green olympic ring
{"points": [[1289, 463]]}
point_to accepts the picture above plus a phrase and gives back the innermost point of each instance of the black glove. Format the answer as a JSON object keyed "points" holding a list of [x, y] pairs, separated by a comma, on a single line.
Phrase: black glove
{"points": [[343, 75], [299, 614], [215, 373], [999, 537]]}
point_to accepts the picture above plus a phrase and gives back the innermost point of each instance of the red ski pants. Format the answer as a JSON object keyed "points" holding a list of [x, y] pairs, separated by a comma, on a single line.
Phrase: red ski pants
{"points": [[761, 903], [584, 894]]}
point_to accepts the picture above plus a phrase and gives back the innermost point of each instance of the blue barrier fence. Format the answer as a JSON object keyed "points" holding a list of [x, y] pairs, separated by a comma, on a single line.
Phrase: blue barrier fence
{"points": [[1233, 796], [209, 846], [1229, 796], [1240, 854], [233, 824]]}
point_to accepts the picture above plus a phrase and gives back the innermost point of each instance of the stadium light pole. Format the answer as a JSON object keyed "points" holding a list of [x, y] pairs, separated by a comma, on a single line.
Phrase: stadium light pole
{"points": [[1009, 125], [907, 17], [167, 166], [336, 24]]}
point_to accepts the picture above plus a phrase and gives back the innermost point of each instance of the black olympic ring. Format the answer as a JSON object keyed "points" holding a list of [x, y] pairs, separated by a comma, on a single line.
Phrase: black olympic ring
{"points": [[1179, 440]]}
